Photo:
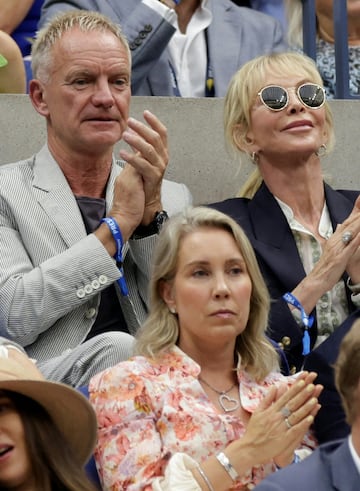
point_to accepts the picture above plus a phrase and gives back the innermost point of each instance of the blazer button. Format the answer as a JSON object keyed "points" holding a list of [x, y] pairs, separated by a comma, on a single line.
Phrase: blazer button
{"points": [[80, 293], [148, 28], [95, 284], [88, 289], [281, 346], [132, 46], [292, 370], [286, 341], [103, 279], [89, 314]]}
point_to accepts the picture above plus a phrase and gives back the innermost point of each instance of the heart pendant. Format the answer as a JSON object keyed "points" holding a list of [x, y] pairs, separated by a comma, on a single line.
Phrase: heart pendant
{"points": [[228, 404]]}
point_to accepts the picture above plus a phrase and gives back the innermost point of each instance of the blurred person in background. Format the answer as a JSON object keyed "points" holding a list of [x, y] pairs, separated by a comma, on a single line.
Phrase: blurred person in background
{"points": [[12, 69], [325, 47], [187, 48], [47, 429]]}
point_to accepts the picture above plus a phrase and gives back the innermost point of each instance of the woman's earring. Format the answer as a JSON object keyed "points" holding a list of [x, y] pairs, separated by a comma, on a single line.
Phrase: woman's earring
{"points": [[254, 157], [172, 310], [321, 152]]}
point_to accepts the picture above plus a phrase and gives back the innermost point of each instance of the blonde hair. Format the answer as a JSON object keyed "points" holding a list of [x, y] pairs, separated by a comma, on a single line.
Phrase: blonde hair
{"points": [[242, 91], [160, 331], [347, 373], [46, 38], [294, 14]]}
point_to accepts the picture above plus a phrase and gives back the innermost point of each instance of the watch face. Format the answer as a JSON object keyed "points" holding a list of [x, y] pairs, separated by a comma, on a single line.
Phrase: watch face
{"points": [[161, 217]]}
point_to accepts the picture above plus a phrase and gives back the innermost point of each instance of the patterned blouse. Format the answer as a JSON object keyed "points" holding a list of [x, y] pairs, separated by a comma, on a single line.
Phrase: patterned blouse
{"points": [[325, 60], [150, 412]]}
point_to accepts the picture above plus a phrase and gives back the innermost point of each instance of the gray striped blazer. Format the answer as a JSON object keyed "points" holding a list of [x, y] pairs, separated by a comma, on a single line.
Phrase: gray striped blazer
{"points": [[47, 258]]}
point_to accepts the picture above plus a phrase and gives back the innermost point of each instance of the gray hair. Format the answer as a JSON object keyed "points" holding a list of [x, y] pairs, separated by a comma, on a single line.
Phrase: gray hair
{"points": [[160, 331], [46, 38]]}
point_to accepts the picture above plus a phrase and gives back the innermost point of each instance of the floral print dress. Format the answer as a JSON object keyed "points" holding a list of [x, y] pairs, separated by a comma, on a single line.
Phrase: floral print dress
{"points": [[151, 410]]}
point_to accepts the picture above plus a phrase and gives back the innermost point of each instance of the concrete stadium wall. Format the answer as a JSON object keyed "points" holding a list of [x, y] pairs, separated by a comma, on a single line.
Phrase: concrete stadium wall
{"points": [[197, 152]]}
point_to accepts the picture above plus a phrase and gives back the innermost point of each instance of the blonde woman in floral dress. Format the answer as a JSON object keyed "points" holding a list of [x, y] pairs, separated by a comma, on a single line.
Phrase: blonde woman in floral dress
{"points": [[202, 406]]}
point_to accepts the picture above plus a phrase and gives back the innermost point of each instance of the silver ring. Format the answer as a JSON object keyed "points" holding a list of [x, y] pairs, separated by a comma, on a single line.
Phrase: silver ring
{"points": [[347, 237], [288, 424], [285, 411]]}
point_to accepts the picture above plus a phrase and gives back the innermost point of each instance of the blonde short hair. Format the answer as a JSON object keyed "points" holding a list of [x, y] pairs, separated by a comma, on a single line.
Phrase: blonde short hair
{"points": [[161, 329], [50, 34], [241, 94]]}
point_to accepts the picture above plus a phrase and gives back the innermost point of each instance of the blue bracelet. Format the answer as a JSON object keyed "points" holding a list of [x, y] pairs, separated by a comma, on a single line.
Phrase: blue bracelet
{"points": [[119, 241], [307, 320]]}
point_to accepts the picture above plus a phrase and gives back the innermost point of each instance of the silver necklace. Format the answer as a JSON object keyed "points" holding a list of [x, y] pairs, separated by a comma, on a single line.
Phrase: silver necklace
{"points": [[227, 403]]}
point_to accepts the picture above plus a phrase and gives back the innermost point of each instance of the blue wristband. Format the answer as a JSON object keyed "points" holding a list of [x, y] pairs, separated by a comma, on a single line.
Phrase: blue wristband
{"points": [[119, 241], [307, 320]]}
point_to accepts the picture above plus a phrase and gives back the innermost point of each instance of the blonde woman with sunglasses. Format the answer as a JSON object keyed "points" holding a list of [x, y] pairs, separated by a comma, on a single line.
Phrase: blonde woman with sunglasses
{"points": [[305, 234]]}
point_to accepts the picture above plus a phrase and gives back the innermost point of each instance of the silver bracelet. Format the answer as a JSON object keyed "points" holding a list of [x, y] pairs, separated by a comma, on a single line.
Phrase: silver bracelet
{"points": [[230, 469], [204, 476]]}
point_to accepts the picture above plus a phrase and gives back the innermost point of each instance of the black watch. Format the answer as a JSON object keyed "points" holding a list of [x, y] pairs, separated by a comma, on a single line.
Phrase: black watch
{"points": [[153, 227]]}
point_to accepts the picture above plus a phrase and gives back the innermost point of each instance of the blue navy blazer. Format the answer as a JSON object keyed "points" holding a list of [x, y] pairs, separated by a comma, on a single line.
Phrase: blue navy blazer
{"points": [[329, 468], [330, 422], [268, 230]]}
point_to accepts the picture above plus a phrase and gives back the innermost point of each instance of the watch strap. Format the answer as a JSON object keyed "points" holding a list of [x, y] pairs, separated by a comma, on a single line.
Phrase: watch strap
{"points": [[153, 227]]}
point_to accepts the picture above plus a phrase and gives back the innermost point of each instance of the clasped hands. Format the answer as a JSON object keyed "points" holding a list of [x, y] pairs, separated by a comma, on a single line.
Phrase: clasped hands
{"points": [[278, 426], [137, 190], [341, 255]]}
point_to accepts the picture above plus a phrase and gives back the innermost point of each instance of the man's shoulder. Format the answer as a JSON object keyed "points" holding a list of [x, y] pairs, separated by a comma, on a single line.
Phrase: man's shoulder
{"points": [[243, 14], [314, 472], [16, 168], [175, 196]]}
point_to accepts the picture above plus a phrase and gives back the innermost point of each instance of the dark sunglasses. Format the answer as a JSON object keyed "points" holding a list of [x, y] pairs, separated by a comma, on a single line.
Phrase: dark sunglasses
{"points": [[276, 98]]}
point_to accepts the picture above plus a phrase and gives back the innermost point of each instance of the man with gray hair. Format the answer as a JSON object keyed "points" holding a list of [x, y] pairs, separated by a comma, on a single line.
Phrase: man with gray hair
{"points": [[77, 226]]}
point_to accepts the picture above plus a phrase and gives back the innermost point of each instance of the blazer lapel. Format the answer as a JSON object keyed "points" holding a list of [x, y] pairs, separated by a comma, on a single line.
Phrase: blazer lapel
{"points": [[225, 60], [344, 474], [273, 238], [339, 205], [56, 198]]}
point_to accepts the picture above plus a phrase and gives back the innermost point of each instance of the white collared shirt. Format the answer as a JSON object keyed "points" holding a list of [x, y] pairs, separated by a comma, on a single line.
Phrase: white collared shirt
{"points": [[187, 51], [332, 307], [354, 454]]}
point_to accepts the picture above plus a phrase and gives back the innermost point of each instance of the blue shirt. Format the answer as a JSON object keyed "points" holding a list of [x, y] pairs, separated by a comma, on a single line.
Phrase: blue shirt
{"points": [[26, 30]]}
